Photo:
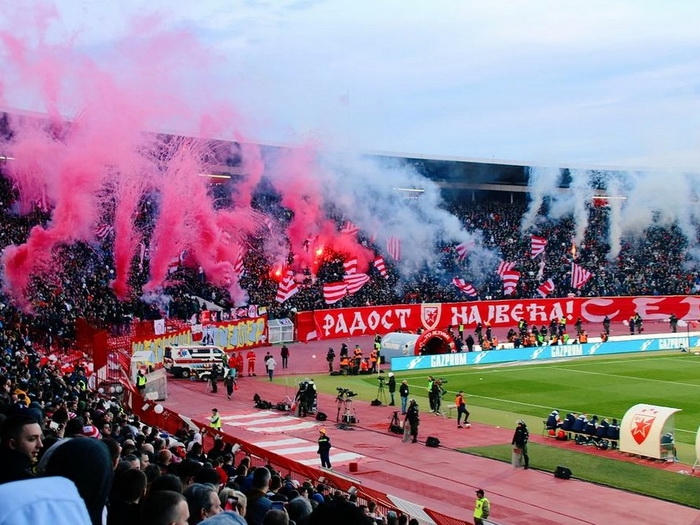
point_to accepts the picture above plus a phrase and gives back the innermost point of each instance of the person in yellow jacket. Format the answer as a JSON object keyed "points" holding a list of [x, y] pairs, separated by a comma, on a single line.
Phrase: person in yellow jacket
{"points": [[482, 508], [215, 419]]}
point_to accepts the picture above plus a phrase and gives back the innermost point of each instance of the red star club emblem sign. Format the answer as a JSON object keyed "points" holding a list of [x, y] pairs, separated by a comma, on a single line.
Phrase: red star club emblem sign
{"points": [[640, 427]]}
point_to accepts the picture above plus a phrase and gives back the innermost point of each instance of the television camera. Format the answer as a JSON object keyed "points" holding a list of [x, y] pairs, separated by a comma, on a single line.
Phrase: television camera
{"points": [[345, 393]]}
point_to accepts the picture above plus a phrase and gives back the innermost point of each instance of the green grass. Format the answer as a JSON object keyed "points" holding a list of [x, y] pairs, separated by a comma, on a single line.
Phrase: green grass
{"points": [[641, 479], [605, 386]]}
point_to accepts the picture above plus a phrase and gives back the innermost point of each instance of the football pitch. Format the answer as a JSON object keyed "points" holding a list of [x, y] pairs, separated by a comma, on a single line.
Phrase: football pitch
{"points": [[602, 386]]}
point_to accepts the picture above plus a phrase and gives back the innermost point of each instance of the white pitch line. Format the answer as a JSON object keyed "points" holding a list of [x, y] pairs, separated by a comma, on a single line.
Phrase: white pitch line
{"points": [[284, 428], [248, 416], [261, 421], [335, 458], [279, 442]]}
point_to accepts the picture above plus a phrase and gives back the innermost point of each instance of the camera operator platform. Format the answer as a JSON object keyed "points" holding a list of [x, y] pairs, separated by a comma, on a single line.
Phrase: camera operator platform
{"points": [[346, 411]]}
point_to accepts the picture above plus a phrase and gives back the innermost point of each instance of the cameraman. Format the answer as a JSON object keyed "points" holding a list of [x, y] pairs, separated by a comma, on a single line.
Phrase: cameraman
{"points": [[392, 388]]}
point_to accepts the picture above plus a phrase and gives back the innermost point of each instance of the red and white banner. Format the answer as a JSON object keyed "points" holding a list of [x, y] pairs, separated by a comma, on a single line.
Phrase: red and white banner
{"points": [[510, 281], [346, 322], [350, 266], [546, 288], [467, 288], [355, 281], [286, 289], [461, 250], [349, 228], [504, 266], [393, 247], [334, 292], [537, 246], [579, 276], [380, 265]]}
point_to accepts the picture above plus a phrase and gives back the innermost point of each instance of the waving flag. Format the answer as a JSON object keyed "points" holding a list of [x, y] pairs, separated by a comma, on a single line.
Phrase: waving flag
{"points": [[381, 266], [546, 288], [504, 267], [393, 246], [537, 246], [510, 281], [334, 292], [176, 262], [286, 289], [355, 281], [467, 288], [461, 250], [103, 230], [350, 266], [238, 264], [579, 276], [349, 228]]}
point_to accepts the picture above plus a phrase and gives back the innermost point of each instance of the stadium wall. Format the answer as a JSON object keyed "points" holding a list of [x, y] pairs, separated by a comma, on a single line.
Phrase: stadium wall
{"points": [[370, 320]]}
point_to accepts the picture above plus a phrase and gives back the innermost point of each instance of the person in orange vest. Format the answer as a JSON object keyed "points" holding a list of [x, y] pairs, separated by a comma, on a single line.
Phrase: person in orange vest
{"points": [[583, 338], [364, 366], [239, 363], [373, 362], [486, 345], [250, 357], [232, 360], [345, 365], [603, 336], [358, 351]]}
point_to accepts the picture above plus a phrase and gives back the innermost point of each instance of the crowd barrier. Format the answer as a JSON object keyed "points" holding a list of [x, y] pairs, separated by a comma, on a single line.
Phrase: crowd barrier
{"points": [[171, 422]]}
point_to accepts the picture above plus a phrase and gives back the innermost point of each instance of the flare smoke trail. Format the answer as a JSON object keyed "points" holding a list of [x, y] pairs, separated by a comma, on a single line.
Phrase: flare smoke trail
{"points": [[638, 201], [95, 161]]}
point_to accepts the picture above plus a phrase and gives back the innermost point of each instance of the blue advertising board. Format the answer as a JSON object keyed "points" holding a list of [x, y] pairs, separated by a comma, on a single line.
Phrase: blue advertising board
{"points": [[647, 344]]}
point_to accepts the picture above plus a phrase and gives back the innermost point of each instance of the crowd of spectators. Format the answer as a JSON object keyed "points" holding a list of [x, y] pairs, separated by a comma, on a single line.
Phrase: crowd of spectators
{"points": [[57, 432]]}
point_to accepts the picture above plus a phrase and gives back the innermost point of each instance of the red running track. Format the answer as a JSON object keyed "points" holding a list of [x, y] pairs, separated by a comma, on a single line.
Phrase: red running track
{"points": [[442, 479]]}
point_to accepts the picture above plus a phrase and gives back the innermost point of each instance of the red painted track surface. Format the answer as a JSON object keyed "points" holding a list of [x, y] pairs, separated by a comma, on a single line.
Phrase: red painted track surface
{"points": [[442, 479]]}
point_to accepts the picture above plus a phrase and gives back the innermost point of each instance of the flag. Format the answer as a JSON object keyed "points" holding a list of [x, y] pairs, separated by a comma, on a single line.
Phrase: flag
{"points": [[355, 281], [350, 266], [349, 228], [461, 250], [103, 230], [379, 265], [393, 247], [537, 246], [238, 267], [540, 271], [286, 289], [546, 288], [579, 276], [334, 292], [176, 262], [467, 288], [504, 267], [510, 281]]}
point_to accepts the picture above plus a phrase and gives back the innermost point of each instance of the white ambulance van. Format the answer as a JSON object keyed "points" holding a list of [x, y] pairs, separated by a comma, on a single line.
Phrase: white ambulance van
{"points": [[192, 360]]}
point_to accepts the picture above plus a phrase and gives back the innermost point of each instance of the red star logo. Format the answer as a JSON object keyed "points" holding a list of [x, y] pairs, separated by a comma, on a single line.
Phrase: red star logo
{"points": [[641, 425]]}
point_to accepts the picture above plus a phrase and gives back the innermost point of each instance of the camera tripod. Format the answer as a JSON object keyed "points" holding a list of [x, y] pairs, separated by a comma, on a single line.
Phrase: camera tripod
{"points": [[381, 392], [349, 415]]}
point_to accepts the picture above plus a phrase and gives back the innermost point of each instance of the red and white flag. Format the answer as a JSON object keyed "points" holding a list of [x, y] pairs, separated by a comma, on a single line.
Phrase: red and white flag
{"points": [[103, 230], [505, 267], [176, 262], [286, 289], [461, 250], [381, 266], [579, 276], [355, 281], [393, 247], [334, 292], [510, 281], [349, 228], [467, 288], [350, 266], [537, 246], [238, 264], [546, 288]]}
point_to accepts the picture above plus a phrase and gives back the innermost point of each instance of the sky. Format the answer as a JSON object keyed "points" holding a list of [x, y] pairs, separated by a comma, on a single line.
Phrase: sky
{"points": [[585, 84]]}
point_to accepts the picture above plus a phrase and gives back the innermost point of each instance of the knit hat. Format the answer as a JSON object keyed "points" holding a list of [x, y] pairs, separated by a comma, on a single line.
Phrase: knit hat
{"points": [[91, 432]]}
